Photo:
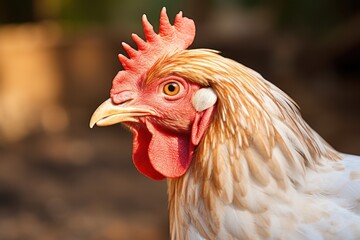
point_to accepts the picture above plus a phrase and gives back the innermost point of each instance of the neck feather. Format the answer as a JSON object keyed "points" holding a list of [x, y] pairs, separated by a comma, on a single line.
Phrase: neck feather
{"points": [[257, 139]]}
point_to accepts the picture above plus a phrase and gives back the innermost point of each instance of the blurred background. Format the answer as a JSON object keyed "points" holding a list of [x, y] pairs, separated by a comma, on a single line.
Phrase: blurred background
{"points": [[61, 180]]}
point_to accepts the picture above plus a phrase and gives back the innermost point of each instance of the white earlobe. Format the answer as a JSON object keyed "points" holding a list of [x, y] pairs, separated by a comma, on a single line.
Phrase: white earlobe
{"points": [[203, 99]]}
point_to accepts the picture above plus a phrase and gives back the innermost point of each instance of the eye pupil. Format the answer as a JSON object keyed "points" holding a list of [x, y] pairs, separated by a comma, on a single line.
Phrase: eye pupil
{"points": [[171, 89]]}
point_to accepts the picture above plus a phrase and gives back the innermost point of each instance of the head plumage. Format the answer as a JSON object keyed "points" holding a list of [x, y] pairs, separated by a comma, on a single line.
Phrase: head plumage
{"points": [[170, 38]]}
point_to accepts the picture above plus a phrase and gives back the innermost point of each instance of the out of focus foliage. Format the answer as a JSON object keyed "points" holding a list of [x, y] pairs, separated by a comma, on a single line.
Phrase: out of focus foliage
{"points": [[17, 11], [304, 15], [82, 13]]}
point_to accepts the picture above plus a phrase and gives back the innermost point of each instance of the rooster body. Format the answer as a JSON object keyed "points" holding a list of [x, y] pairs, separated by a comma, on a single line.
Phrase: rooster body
{"points": [[241, 162], [326, 207], [316, 211]]}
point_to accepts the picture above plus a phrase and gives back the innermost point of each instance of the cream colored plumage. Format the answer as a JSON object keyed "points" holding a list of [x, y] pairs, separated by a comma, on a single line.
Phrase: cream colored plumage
{"points": [[260, 172]]}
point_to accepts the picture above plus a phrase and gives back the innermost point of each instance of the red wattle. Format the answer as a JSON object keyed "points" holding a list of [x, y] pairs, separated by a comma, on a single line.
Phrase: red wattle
{"points": [[141, 142], [158, 154], [170, 154]]}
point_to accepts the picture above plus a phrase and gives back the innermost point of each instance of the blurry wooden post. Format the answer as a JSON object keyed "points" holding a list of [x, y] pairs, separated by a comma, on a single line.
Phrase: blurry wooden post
{"points": [[29, 81]]}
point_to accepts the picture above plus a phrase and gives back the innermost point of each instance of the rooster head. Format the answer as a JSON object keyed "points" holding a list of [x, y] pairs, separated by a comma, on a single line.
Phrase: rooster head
{"points": [[166, 112]]}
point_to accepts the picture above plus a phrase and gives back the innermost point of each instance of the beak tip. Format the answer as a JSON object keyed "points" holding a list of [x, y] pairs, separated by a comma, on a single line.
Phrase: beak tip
{"points": [[93, 120], [92, 123]]}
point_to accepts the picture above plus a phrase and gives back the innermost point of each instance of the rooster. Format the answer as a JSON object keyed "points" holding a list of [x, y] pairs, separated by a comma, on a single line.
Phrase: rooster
{"points": [[239, 160]]}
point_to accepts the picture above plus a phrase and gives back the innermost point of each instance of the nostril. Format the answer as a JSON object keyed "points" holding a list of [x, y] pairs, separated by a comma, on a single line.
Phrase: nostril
{"points": [[122, 97]]}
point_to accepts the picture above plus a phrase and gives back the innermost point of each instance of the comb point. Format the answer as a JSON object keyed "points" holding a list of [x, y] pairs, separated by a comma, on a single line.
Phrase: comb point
{"points": [[165, 27], [150, 35], [125, 62], [139, 41], [130, 51], [178, 19]]}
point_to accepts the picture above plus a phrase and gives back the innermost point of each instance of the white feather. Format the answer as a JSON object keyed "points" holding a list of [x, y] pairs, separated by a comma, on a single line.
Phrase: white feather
{"points": [[203, 99]]}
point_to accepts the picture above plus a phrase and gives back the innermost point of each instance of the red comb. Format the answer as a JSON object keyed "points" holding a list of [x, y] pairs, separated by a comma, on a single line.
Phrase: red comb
{"points": [[170, 39]]}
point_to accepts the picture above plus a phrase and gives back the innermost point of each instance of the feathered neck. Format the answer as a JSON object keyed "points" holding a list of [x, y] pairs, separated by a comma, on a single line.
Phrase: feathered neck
{"points": [[257, 138], [257, 133]]}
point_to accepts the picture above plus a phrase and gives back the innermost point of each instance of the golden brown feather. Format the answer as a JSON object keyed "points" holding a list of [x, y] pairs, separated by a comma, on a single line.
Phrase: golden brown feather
{"points": [[257, 138]]}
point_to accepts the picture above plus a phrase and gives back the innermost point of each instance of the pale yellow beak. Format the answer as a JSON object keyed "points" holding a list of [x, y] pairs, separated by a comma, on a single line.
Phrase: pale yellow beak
{"points": [[108, 114]]}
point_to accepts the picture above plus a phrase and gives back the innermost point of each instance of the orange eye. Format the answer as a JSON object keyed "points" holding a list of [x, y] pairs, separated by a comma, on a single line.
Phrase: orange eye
{"points": [[171, 89]]}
